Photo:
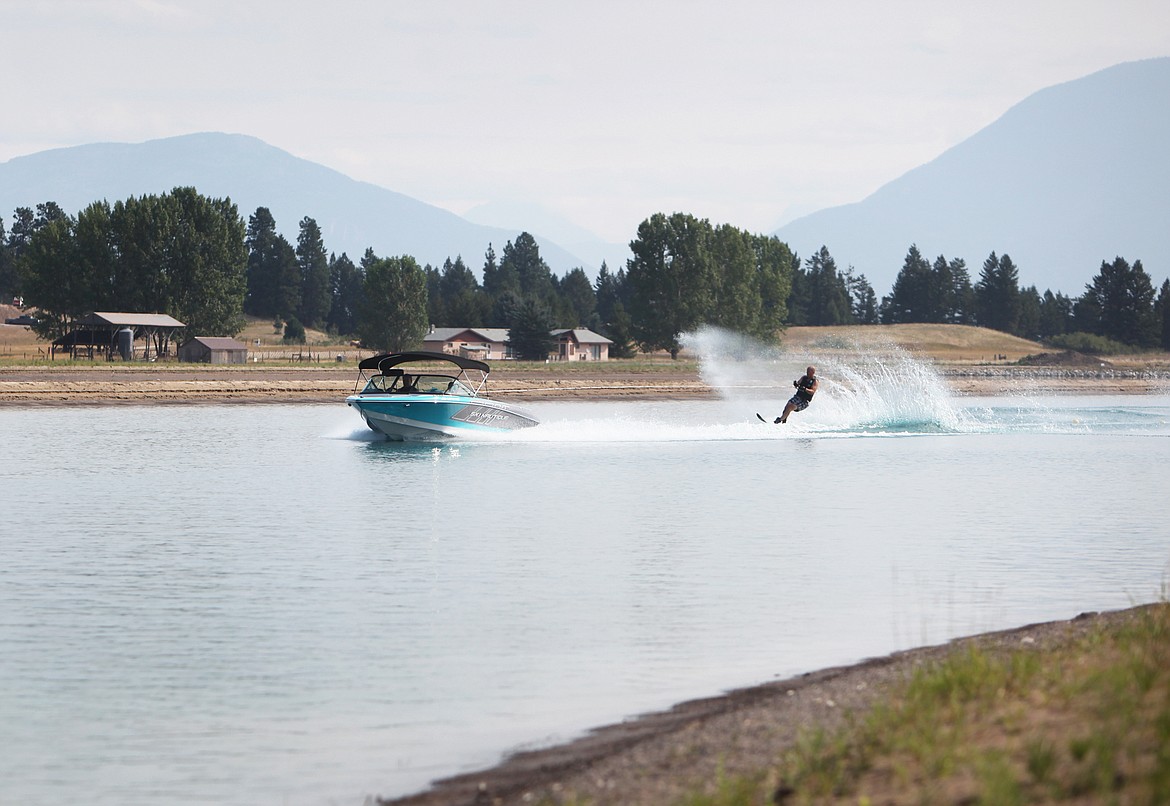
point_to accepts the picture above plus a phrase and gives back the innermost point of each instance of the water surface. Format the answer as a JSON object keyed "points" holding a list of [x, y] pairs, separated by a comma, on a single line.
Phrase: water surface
{"points": [[263, 604]]}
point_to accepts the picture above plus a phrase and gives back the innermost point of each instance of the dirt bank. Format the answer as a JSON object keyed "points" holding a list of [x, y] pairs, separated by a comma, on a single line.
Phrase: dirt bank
{"points": [[658, 758], [120, 384]]}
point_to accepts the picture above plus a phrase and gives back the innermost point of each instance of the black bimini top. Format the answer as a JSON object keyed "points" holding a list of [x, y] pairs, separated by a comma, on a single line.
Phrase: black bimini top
{"points": [[385, 361]]}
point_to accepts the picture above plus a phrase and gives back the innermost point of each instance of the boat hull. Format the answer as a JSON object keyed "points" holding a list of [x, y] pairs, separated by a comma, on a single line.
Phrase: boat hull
{"points": [[428, 417]]}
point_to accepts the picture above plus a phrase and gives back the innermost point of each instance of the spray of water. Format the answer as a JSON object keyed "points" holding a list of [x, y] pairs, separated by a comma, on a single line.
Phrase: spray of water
{"points": [[861, 389]]}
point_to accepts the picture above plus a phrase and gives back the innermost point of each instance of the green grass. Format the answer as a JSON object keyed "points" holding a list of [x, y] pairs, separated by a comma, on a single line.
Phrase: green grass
{"points": [[1085, 721]]}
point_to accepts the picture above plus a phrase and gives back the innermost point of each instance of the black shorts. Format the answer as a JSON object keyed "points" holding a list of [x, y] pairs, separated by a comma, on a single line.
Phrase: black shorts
{"points": [[798, 403]]}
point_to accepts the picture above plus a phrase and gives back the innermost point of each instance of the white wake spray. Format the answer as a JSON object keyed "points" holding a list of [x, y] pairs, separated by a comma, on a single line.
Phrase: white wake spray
{"points": [[861, 387]]}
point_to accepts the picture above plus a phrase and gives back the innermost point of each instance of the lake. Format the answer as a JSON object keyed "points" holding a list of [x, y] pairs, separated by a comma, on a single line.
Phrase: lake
{"points": [[264, 604]]}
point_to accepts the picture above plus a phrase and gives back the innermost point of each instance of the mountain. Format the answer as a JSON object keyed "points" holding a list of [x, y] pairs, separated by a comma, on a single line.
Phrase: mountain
{"points": [[352, 215], [537, 219], [1073, 175]]}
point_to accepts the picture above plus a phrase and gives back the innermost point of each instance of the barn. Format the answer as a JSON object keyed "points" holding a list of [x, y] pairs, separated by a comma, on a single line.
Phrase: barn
{"points": [[213, 350]]}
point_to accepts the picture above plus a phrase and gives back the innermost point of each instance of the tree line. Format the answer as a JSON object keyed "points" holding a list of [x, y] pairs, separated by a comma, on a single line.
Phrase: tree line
{"points": [[195, 258]]}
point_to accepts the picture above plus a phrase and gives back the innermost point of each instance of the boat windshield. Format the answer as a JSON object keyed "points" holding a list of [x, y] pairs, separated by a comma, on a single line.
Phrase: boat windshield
{"points": [[428, 384]]}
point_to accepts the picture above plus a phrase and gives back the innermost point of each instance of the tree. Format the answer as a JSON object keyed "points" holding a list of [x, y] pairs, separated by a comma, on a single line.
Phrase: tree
{"points": [[670, 279], [48, 279], [960, 308], [997, 295], [863, 302], [463, 301], [1164, 313], [914, 296], [522, 260], [288, 278], [294, 331], [611, 312], [23, 227], [264, 270], [180, 253], [773, 269], [530, 335], [393, 313], [346, 281], [735, 302], [826, 295], [8, 284], [206, 263], [577, 292], [497, 278], [1119, 304], [314, 269], [1055, 314], [1030, 312]]}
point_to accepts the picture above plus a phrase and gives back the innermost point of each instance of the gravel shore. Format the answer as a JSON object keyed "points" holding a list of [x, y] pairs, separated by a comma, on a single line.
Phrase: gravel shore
{"points": [[662, 757]]}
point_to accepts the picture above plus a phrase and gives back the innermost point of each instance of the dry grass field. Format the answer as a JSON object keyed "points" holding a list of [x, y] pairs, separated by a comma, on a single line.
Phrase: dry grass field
{"points": [[955, 346], [943, 343], [952, 344]]}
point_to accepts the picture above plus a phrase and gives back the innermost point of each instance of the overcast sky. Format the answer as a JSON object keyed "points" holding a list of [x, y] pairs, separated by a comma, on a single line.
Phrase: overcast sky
{"points": [[745, 112]]}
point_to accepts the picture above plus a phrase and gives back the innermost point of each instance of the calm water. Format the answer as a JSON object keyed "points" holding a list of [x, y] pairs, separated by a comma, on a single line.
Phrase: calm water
{"points": [[260, 604]]}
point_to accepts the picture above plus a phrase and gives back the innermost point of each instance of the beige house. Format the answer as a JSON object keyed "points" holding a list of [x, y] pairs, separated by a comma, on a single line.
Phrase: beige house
{"points": [[581, 344], [488, 343], [483, 343]]}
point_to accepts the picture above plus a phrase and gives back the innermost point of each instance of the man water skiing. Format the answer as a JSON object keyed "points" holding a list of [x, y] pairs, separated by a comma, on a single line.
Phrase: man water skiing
{"points": [[806, 387]]}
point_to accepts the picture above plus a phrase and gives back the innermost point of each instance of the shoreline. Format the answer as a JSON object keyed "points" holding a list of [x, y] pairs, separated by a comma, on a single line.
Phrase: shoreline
{"points": [[120, 385], [663, 756]]}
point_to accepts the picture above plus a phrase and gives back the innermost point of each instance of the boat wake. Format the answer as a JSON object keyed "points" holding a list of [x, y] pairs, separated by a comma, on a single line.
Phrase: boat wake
{"points": [[864, 392]]}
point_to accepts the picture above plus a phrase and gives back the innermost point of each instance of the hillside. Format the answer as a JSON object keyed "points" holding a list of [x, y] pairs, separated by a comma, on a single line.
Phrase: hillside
{"points": [[942, 343], [353, 215], [1073, 175]]}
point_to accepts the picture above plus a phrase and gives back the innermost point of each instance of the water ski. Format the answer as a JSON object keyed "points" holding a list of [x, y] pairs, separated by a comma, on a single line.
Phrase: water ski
{"points": [[762, 419]]}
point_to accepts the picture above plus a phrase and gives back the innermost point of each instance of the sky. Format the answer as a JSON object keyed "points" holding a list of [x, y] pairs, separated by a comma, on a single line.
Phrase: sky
{"points": [[604, 112]]}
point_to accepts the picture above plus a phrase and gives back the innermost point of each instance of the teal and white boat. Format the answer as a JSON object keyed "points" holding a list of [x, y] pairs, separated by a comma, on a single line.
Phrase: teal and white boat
{"points": [[427, 403]]}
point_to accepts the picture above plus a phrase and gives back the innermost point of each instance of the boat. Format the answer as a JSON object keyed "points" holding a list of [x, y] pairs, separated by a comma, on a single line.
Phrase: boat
{"points": [[404, 404]]}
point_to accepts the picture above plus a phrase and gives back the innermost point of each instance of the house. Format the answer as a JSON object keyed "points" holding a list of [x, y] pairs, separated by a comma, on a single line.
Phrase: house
{"points": [[581, 344], [214, 350], [487, 343], [483, 343]]}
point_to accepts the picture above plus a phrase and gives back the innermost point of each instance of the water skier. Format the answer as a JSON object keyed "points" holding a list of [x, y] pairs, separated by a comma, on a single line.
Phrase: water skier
{"points": [[806, 387]]}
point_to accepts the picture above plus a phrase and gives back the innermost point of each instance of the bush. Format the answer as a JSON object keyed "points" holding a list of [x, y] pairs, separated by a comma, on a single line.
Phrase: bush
{"points": [[294, 331], [1090, 343]]}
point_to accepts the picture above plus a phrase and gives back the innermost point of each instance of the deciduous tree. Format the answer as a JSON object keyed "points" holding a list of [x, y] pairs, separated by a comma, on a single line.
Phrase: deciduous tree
{"points": [[393, 313], [670, 279]]}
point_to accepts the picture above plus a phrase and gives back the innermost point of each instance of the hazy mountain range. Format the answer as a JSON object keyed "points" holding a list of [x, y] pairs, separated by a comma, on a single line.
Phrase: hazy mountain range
{"points": [[1075, 174], [353, 215]]}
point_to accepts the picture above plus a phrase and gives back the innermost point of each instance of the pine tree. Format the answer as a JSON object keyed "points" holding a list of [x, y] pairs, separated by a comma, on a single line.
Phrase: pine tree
{"points": [[1122, 299], [1164, 313], [530, 335], [314, 267], [911, 298], [997, 294], [263, 272], [346, 281]]}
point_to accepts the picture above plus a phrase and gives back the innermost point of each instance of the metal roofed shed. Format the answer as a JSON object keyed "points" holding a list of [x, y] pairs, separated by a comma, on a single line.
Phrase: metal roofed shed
{"points": [[107, 333], [213, 350]]}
